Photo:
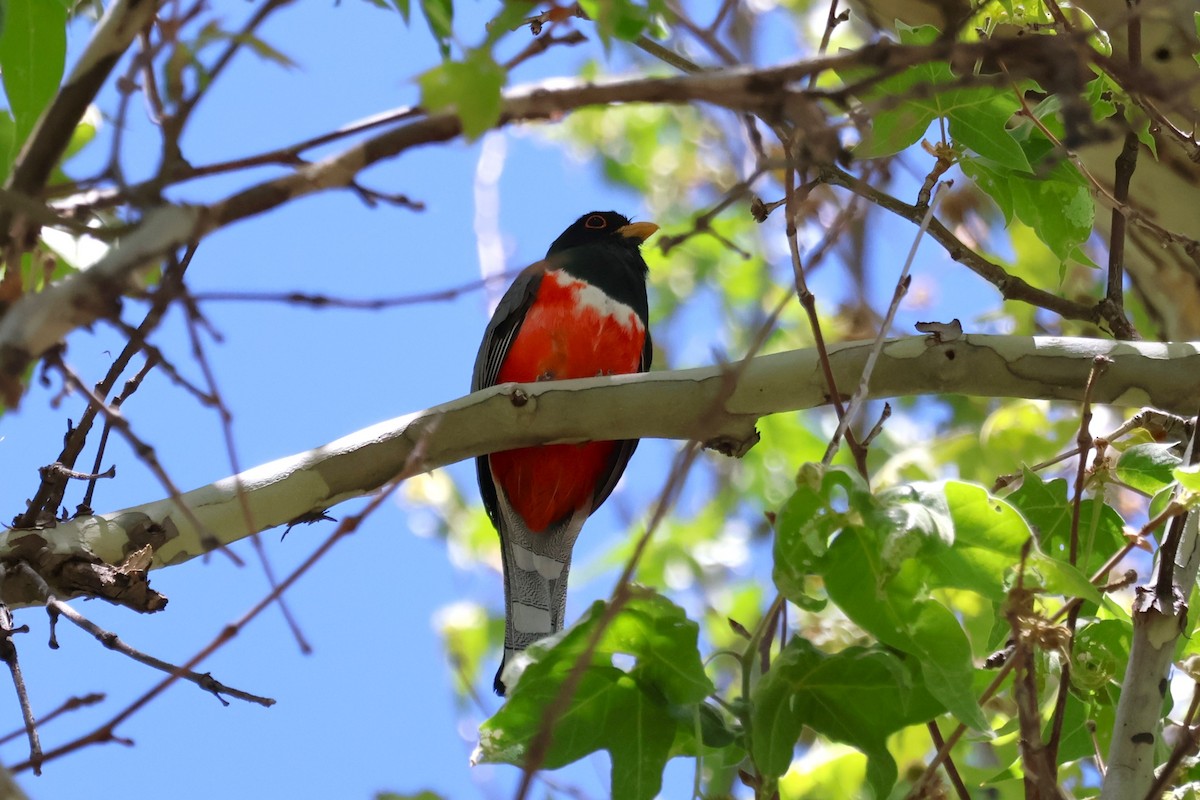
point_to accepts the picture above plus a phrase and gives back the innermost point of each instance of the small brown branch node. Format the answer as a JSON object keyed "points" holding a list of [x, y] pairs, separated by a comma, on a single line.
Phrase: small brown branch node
{"points": [[372, 197]]}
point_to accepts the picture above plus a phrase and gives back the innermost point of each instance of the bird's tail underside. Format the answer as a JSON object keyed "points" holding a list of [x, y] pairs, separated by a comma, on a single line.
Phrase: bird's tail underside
{"points": [[536, 566]]}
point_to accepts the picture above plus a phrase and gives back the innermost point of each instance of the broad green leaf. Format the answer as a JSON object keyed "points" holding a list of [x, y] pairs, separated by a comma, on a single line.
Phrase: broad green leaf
{"points": [[944, 653], [977, 118], [470, 87], [916, 35], [899, 124], [1160, 501], [895, 129], [918, 508], [877, 569], [979, 122], [988, 541], [1076, 740], [637, 714], [857, 696], [889, 601], [1056, 203], [1058, 206], [993, 181], [33, 51], [1147, 467], [1048, 508], [620, 19], [826, 500]]}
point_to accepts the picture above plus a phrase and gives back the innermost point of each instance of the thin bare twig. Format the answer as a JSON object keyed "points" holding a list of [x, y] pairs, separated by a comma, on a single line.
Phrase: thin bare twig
{"points": [[194, 318], [68, 705], [1011, 287], [143, 450], [205, 681], [50, 492], [1083, 442], [956, 780], [320, 301], [808, 303], [8, 654], [131, 386], [864, 383], [703, 222]]}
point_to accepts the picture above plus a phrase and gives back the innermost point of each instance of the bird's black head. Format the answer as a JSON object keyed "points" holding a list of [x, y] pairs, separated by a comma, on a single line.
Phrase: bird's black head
{"points": [[599, 226]]}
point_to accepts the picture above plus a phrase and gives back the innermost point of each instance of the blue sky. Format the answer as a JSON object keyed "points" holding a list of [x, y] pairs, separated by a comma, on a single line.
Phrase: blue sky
{"points": [[372, 708]]}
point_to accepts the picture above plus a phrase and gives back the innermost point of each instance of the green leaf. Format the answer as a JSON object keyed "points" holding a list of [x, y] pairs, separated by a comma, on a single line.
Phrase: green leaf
{"points": [[1047, 507], [470, 87], [826, 500], [918, 35], [978, 120], [993, 181], [640, 715], [440, 16], [877, 569], [403, 6], [33, 51], [857, 696], [1100, 654], [1147, 467], [1058, 206], [1188, 477], [620, 19], [8, 143], [830, 772], [989, 538], [895, 129], [889, 601], [917, 508]]}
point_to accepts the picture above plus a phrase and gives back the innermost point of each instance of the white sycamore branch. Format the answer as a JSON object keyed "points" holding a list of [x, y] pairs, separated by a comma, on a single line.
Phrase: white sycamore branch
{"points": [[714, 405]]}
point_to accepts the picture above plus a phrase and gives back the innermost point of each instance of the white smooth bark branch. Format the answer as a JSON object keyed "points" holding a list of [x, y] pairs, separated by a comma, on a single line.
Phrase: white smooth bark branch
{"points": [[700, 404], [1137, 745]]}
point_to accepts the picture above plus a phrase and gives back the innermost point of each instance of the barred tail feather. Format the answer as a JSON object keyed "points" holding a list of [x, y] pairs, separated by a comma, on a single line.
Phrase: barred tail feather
{"points": [[536, 566]]}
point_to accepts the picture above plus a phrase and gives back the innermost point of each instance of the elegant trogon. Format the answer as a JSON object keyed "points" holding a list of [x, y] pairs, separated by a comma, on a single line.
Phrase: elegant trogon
{"points": [[578, 313]]}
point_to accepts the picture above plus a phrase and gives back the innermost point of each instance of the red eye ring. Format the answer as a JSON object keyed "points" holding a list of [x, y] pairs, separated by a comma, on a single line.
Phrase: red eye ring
{"points": [[595, 222]]}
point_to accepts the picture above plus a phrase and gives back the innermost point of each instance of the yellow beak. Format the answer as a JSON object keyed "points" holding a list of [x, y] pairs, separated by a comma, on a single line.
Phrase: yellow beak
{"points": [[638, 230]]}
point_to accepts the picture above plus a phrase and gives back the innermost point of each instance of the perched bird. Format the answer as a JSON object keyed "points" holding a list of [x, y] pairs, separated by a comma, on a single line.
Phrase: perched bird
{"points": [[578, 313]]}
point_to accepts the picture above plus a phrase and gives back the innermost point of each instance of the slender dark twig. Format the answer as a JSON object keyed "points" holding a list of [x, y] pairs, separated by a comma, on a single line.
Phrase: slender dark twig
{"points": [[8, 654], [50, 492], [131, 386], [194, 319], [956, 780], [205, 681]]}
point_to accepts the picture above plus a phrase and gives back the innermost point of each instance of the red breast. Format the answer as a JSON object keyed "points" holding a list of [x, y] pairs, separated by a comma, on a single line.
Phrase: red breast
{"points": [[571, 330]]}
